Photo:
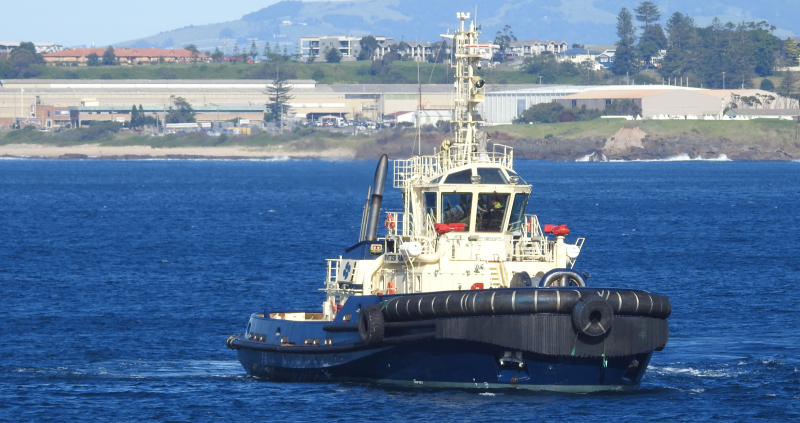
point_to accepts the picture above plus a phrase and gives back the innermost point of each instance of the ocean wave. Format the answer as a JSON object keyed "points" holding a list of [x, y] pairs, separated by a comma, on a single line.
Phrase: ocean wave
{"points": [[693, 372], [679, 158], [143, 370], [593, 157]]}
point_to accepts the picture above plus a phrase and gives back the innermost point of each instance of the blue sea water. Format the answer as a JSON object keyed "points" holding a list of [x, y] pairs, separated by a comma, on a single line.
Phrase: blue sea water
{"points": [[121, 280]]}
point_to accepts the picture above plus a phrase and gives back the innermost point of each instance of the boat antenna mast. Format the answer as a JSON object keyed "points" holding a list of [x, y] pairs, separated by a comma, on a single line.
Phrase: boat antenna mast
{"points": [[469, 90]]}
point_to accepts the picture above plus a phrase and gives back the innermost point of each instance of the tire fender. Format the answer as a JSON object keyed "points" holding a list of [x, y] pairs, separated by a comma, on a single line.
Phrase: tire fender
{"points": [[592, 316], [371, 325]]}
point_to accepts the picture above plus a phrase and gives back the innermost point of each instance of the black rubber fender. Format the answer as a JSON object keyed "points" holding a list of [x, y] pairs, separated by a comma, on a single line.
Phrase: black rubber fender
{"points": [[371, 325], [592, 316]]}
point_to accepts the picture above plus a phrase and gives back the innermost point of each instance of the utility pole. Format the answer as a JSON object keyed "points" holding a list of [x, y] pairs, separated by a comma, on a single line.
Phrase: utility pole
{"points": [[217, 110], [723, 80]]}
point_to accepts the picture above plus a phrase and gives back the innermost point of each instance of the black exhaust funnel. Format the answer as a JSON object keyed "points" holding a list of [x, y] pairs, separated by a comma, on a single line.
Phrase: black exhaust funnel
{"points": [[377, 196]]}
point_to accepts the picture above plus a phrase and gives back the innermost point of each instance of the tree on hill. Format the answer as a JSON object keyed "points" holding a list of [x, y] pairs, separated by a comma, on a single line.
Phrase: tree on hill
{"points": [[683, 47], [760, 45], [368, 46], [267, 51], [333, 55], [92, 59], [767, 85], [217, 55], [438, 52], [791, 51], [29, 49], [647, 12], [253, 50], [21, 62], [787, 83], [135, 117], [554, 113], [625, 60], [191, 48], [180, 112], [109, 58], [652, 41], [503, 39], [548, 68], [278, 99], [541, 113], [624, 107]]}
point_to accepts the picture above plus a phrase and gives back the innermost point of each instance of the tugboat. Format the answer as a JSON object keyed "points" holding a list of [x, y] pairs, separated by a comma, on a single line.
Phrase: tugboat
{"points": [[464, 290]]}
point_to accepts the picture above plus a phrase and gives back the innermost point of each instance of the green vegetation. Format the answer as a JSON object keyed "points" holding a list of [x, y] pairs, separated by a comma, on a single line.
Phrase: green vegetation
{"points": [[180, 112], [753, 131], [554, 112], [22, 62], [279, 98], [360, 72], [111, 134]]}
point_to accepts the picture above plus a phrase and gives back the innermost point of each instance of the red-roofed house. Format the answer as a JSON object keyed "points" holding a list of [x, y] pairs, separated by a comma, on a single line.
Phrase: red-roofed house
{"points": [[128, 56]]}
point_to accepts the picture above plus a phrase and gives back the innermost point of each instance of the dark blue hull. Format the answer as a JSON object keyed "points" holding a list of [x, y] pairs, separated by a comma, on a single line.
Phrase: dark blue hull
{"points": [[473, 349], [448, 363]]}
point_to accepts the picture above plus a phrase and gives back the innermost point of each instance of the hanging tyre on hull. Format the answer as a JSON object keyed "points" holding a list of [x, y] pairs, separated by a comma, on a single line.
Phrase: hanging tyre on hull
{"points": [[592, 316], [371, 325]]}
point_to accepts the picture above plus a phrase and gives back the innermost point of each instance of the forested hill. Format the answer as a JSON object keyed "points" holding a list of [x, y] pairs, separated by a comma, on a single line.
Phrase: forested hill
{"points": [[573, 21]]}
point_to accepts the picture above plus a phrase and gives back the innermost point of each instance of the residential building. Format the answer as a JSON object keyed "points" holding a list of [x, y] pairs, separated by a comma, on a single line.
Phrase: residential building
{"points": [[7, 46], [606, 58], [125, 56], [418, 50], [524, 48], [578, 55], [384, 47], [348, 46]]}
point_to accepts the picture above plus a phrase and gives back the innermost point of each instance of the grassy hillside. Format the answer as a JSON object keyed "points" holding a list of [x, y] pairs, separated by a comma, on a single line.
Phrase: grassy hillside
{"points": [[740, 131], [324, 73]]}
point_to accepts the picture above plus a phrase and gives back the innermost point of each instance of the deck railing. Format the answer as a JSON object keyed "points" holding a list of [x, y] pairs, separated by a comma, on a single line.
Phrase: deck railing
{"points": [[418, 168]]}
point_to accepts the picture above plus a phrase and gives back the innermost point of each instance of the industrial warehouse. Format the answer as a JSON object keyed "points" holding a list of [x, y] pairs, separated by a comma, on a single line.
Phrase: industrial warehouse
{"points": [[50, 103]]}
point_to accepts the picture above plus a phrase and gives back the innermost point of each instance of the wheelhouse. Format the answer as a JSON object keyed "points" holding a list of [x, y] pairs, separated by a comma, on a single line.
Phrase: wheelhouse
{"points": [[482, 197]]}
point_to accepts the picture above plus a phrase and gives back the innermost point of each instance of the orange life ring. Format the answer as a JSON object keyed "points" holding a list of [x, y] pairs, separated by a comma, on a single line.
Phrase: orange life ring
{"points": [[390, 224], [391, 287], [529, 224]]}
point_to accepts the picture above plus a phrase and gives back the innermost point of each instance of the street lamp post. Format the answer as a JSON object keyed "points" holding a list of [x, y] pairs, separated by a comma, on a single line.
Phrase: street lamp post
{"points": [[217, 110]]}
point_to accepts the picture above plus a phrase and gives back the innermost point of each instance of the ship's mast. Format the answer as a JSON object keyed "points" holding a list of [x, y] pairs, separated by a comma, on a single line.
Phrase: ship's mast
{"points": [[469, 90]]}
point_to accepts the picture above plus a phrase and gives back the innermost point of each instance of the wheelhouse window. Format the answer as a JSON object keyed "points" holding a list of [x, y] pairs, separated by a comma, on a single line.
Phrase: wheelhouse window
{"points": [[492, 176], [491, 210], [456, 207], [430, 205], [463, 177], [517, 212]]}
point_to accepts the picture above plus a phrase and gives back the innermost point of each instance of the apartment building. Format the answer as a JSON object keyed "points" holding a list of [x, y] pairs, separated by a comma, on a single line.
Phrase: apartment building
{"points": [[524, 48]]}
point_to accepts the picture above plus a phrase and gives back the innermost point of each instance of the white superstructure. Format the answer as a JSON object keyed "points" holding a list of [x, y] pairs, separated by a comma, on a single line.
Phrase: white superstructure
{"points": [[463, 225]]}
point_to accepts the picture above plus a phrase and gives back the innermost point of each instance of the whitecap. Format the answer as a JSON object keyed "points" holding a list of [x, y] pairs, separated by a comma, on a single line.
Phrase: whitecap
{"points": [[695, 372], [679, 158]]}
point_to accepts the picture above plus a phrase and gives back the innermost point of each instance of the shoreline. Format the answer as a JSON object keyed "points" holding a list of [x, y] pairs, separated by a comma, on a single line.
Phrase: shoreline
{"points": [[140, 152]]}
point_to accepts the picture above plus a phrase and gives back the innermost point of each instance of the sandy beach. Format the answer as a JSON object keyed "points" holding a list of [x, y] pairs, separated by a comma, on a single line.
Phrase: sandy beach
{"points": [[94, 151]]}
